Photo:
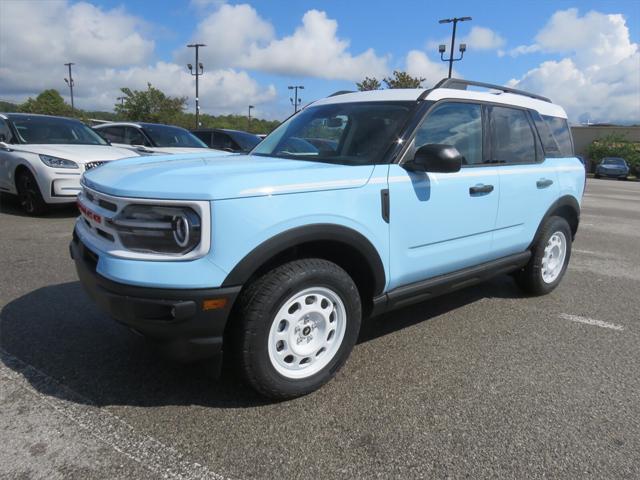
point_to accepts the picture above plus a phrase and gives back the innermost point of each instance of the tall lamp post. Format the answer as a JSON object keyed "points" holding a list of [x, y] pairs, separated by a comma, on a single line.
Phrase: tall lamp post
{"points": [[196, 72], [295, 101], [69, 81], [443, 48], [121, 100], [249, 117]]}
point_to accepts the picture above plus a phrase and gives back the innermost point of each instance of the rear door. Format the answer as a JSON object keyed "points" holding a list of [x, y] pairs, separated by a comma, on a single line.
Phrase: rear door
{"points": [[6, 157], [528, 181], [442, 222]]}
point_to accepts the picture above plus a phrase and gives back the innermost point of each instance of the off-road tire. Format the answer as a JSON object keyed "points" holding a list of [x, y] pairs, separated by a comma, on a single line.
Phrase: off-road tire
{"points": [[258, 306]]}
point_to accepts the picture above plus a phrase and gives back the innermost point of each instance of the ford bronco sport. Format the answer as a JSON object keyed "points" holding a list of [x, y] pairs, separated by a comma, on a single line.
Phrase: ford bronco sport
{"points": [[358, 204]]}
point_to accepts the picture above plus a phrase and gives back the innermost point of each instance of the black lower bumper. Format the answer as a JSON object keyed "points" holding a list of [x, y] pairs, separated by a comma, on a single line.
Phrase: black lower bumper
{"points": [[186, 324]]}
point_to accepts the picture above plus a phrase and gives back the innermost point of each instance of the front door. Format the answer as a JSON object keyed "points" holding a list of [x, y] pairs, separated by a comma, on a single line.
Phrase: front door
{"points": [[442, 222]]}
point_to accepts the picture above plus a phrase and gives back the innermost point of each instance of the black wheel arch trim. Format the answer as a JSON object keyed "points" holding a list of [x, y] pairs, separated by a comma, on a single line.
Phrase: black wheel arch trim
{"points": [[564, 201], [299, 236]]}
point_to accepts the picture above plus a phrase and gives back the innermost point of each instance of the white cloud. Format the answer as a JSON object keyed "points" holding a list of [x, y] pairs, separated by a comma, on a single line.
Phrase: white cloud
{"points": [[599, 79], [419, 65], [314, 49], [479, 38], [110, 53]]}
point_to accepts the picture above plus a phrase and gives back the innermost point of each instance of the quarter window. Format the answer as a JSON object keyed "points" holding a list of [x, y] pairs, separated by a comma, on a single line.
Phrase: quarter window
{"points": [[512, 139], [456, 124], [561, 133]]}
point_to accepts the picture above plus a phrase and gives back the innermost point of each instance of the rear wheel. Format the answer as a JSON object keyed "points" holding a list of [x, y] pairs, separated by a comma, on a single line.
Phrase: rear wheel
{"points": [[298, 325], [549, 258], [29, 194]]}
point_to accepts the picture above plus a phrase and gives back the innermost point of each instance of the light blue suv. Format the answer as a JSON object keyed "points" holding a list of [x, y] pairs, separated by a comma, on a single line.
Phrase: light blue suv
{"points": [[358, 204]]}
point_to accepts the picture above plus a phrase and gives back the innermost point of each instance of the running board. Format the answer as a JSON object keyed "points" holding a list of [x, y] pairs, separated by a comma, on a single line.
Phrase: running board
{"points": [[449, 282]]}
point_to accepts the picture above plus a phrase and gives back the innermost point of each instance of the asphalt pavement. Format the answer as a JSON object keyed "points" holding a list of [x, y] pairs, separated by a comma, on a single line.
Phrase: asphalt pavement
{"points": [[482, 383]]}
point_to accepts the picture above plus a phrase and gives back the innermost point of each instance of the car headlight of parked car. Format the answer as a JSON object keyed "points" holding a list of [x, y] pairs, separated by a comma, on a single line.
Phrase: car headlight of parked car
{"points": [[158, 229], [56, 162]]}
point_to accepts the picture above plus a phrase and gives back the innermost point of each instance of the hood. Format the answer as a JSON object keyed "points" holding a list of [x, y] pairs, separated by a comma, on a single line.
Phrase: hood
{"points": [[213, 177], [175, 150], [77, 153]]}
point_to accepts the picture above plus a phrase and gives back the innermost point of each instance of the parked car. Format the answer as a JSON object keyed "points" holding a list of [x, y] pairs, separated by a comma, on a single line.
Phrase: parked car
{"points": [[42, 158], [235, 141], [612, 167], [275, 257], [151, 138]]}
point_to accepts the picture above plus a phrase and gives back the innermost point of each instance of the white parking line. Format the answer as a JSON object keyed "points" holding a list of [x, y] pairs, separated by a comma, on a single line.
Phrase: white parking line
{"points": [[162, 460], [590, 321]]}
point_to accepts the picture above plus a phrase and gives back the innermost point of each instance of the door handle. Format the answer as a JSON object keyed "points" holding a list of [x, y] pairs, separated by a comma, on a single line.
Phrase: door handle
{"points": [[544, 183], [480, 188]]}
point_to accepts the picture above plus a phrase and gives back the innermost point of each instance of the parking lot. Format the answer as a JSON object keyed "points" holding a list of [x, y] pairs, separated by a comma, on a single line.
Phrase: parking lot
{"points": [[483, 383]]}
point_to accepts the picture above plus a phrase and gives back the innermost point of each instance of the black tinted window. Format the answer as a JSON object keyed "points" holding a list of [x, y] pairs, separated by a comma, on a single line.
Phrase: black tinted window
{"points": [[561, 133], [549, 144], [205, 137], [457, 124], [113, 134], [136, 137], [512, 139]]}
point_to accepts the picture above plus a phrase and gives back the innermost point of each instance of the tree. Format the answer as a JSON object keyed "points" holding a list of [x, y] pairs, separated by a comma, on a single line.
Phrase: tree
{"points": [[369, 83], [49, 102], [150, 105], [403, 80]]}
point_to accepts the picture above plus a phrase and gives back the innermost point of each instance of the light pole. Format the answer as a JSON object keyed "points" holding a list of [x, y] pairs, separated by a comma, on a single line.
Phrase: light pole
{"points": [[463, 47], [121, 100], [69, 81], [249, 117], [295, 101], [196, 72]]}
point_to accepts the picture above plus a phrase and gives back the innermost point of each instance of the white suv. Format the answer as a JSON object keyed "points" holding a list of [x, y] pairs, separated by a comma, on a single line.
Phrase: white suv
{"points": [[42, 158]]}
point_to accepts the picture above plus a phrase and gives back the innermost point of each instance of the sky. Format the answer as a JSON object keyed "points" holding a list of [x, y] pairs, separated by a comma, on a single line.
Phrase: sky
{"points": [[584, 55]]}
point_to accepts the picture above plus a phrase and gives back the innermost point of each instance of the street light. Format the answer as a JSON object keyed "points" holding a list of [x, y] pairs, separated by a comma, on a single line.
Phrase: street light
{"points": [[121, 100], [196, 72], [69, 81], [463, 46], [249, 122], [295, 101]]}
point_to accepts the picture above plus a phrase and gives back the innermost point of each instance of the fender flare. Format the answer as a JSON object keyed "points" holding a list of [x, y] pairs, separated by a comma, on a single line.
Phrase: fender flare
{"points": [[564, 201], [319, 232]]}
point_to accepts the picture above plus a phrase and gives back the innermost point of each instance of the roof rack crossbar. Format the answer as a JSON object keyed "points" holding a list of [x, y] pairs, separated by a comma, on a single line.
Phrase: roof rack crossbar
{"points": [[460, 84]]}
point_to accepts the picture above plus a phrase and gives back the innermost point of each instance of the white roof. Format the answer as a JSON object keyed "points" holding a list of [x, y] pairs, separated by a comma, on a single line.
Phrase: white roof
{"points": [[412, 94]]}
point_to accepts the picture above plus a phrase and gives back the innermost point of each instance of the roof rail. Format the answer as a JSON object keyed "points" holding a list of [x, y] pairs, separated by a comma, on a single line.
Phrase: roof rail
{"points": [[340, 92], [460, 84]]}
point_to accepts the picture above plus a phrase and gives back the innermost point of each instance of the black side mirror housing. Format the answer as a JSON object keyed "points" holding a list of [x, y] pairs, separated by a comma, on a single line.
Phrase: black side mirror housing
{"points": [[435, 158]]}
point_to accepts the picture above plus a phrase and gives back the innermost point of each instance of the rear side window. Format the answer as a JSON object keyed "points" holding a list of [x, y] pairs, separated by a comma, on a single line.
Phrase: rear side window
{"points": [[512, 139], [5, 132], [113, 134], [560, 130], [457, 124]]}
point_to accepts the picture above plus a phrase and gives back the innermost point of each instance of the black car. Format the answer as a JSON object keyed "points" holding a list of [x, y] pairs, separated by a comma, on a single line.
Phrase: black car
{"points": [[612, 167], [229, 140]]}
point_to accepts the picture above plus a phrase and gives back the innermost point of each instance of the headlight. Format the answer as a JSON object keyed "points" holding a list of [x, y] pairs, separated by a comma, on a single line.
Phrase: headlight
{"points": [[56, 162], [158, 229]]}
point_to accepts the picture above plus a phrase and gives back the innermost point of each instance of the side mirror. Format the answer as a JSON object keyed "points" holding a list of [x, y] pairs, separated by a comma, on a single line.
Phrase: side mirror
{"points": [[435, 158]]}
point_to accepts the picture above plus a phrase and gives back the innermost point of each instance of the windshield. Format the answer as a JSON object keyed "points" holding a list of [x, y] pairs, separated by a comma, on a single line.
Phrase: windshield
{"points": [[52, 130], [356, 133], [246, 140], [613, 161], [165, 136]]}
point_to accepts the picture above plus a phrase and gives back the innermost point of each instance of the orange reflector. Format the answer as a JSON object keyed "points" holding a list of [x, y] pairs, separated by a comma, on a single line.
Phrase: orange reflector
{"points": [[214, 303]]}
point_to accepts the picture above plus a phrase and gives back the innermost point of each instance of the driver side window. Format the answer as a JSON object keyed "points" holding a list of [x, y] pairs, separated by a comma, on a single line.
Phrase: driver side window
{"points": [[5, 132], [456, 124]]}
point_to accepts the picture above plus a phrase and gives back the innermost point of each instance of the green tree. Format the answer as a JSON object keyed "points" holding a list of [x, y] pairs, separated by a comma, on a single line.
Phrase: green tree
{"points": [[150, 105], [403, 80], [369, 83], [49, 102]]}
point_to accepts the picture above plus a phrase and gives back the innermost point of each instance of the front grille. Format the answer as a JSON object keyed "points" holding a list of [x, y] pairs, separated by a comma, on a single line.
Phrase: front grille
{"points": [[90, 165]]}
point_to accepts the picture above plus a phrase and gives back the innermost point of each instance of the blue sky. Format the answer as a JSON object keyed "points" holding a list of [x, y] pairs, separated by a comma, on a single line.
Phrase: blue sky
{"points": [[390, 29]]}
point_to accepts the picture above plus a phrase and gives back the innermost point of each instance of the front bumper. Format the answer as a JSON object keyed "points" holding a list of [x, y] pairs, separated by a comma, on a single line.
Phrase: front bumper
{"points": [[187, 324], [612, 173]]}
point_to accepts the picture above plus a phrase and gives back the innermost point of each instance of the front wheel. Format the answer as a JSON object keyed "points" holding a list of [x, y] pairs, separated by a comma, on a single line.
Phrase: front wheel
{"points": [[550, 255], [298, 325], [29, 194]]}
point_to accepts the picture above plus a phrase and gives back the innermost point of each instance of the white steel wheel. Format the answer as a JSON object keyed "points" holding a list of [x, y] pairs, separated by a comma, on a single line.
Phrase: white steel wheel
{"points": [[554, 256], [307, 332]]}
